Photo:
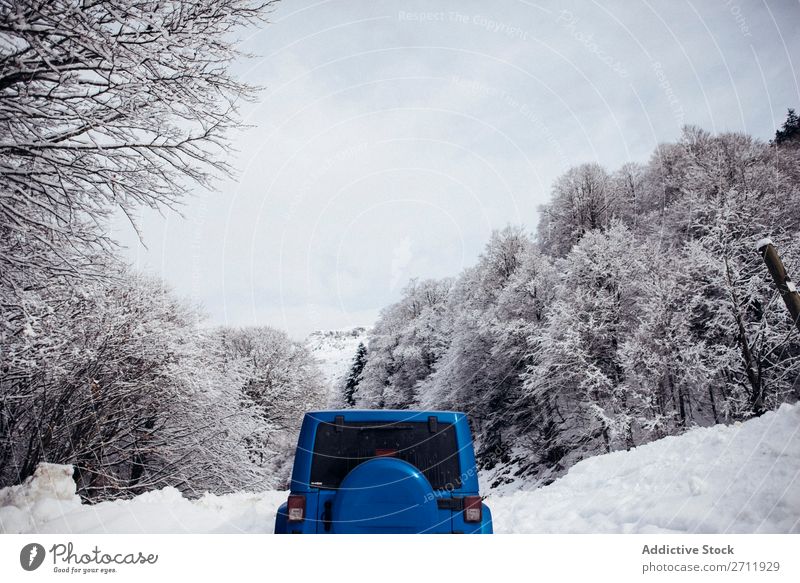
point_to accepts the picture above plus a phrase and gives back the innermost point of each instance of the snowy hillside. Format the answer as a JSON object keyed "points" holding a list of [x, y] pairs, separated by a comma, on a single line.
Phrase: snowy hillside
{"points": [[334, 351], [739, 478]]}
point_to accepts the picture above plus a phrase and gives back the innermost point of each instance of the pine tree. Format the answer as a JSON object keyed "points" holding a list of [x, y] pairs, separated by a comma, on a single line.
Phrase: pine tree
{"points": [[354, 376], [790, 132]]}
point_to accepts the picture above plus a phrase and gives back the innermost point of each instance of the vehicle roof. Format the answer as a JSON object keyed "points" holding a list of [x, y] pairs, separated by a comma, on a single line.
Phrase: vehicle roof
{"points": [[384, 414]]}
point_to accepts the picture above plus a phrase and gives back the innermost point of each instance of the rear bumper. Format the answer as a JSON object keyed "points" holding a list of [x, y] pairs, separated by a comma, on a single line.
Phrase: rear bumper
{"points": [[309, 526]]}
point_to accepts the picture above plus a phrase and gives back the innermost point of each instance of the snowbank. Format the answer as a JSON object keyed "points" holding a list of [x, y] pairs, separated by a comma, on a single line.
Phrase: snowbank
{"points": [[742, 478], [47, 503], [739, 478], [49, 492]]}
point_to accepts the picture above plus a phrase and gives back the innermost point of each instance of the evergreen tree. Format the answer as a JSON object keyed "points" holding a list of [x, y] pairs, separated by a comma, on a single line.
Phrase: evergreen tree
{"points": [[790, 132], [354, 377]]}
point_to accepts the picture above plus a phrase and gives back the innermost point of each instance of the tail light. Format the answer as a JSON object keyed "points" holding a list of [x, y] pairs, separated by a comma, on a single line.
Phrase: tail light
{"points": [[296, 508], [473, 509]]}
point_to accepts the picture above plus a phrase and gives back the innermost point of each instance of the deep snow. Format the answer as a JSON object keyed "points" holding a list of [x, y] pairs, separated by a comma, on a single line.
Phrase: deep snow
{"points": [[739, 478], [47, 503]]}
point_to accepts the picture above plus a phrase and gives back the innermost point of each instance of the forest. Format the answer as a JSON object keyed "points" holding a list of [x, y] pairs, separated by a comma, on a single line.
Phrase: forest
{"points": [[639, 308]]}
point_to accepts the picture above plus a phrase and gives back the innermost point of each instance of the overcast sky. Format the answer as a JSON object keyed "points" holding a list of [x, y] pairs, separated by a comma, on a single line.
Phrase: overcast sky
{"points": [[392, 137]]}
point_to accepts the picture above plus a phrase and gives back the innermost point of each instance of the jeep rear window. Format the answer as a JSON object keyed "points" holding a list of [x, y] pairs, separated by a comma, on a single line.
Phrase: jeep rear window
{"points": [[434, 453]]}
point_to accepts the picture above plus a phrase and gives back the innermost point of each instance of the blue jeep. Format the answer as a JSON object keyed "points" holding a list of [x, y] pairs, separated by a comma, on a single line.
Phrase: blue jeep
{"points": [[384, 472]]}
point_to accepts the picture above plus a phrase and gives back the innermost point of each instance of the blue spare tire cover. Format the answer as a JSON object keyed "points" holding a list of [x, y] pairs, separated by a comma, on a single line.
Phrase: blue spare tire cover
{"points": [[384, 495]]}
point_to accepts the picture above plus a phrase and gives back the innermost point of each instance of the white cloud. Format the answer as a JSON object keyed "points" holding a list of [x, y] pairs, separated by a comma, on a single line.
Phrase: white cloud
{"points": [[386, 148]]}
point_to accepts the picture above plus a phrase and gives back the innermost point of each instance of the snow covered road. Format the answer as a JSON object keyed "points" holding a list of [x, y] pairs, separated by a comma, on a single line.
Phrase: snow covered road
{"points": [[739, 478]]}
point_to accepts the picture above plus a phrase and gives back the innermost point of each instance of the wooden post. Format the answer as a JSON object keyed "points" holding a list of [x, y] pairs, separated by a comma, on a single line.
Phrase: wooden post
{"points": [[782, 280]]}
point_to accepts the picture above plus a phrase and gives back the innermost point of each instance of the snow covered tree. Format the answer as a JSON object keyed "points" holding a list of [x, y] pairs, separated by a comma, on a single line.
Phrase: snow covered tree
{"points": [[745, 322], [105, 106], [629, 192], [404, 345], [669, 361], [495, 306], [113, 378], [281, 378], [582, 200], [109, 106], [577, 374]]}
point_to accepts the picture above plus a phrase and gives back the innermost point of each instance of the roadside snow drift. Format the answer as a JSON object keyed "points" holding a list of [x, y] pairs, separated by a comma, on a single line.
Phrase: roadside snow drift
{"points": [[738, 478], [47, 503]]}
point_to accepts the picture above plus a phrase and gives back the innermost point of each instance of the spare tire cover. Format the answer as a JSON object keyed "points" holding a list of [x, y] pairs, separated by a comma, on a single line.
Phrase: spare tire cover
{"points": [[384, 495]]}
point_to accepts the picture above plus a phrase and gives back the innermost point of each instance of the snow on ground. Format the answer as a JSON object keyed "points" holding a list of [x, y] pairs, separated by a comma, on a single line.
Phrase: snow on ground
{"points": [[47, 503], [335, 350], [739, 478]]}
